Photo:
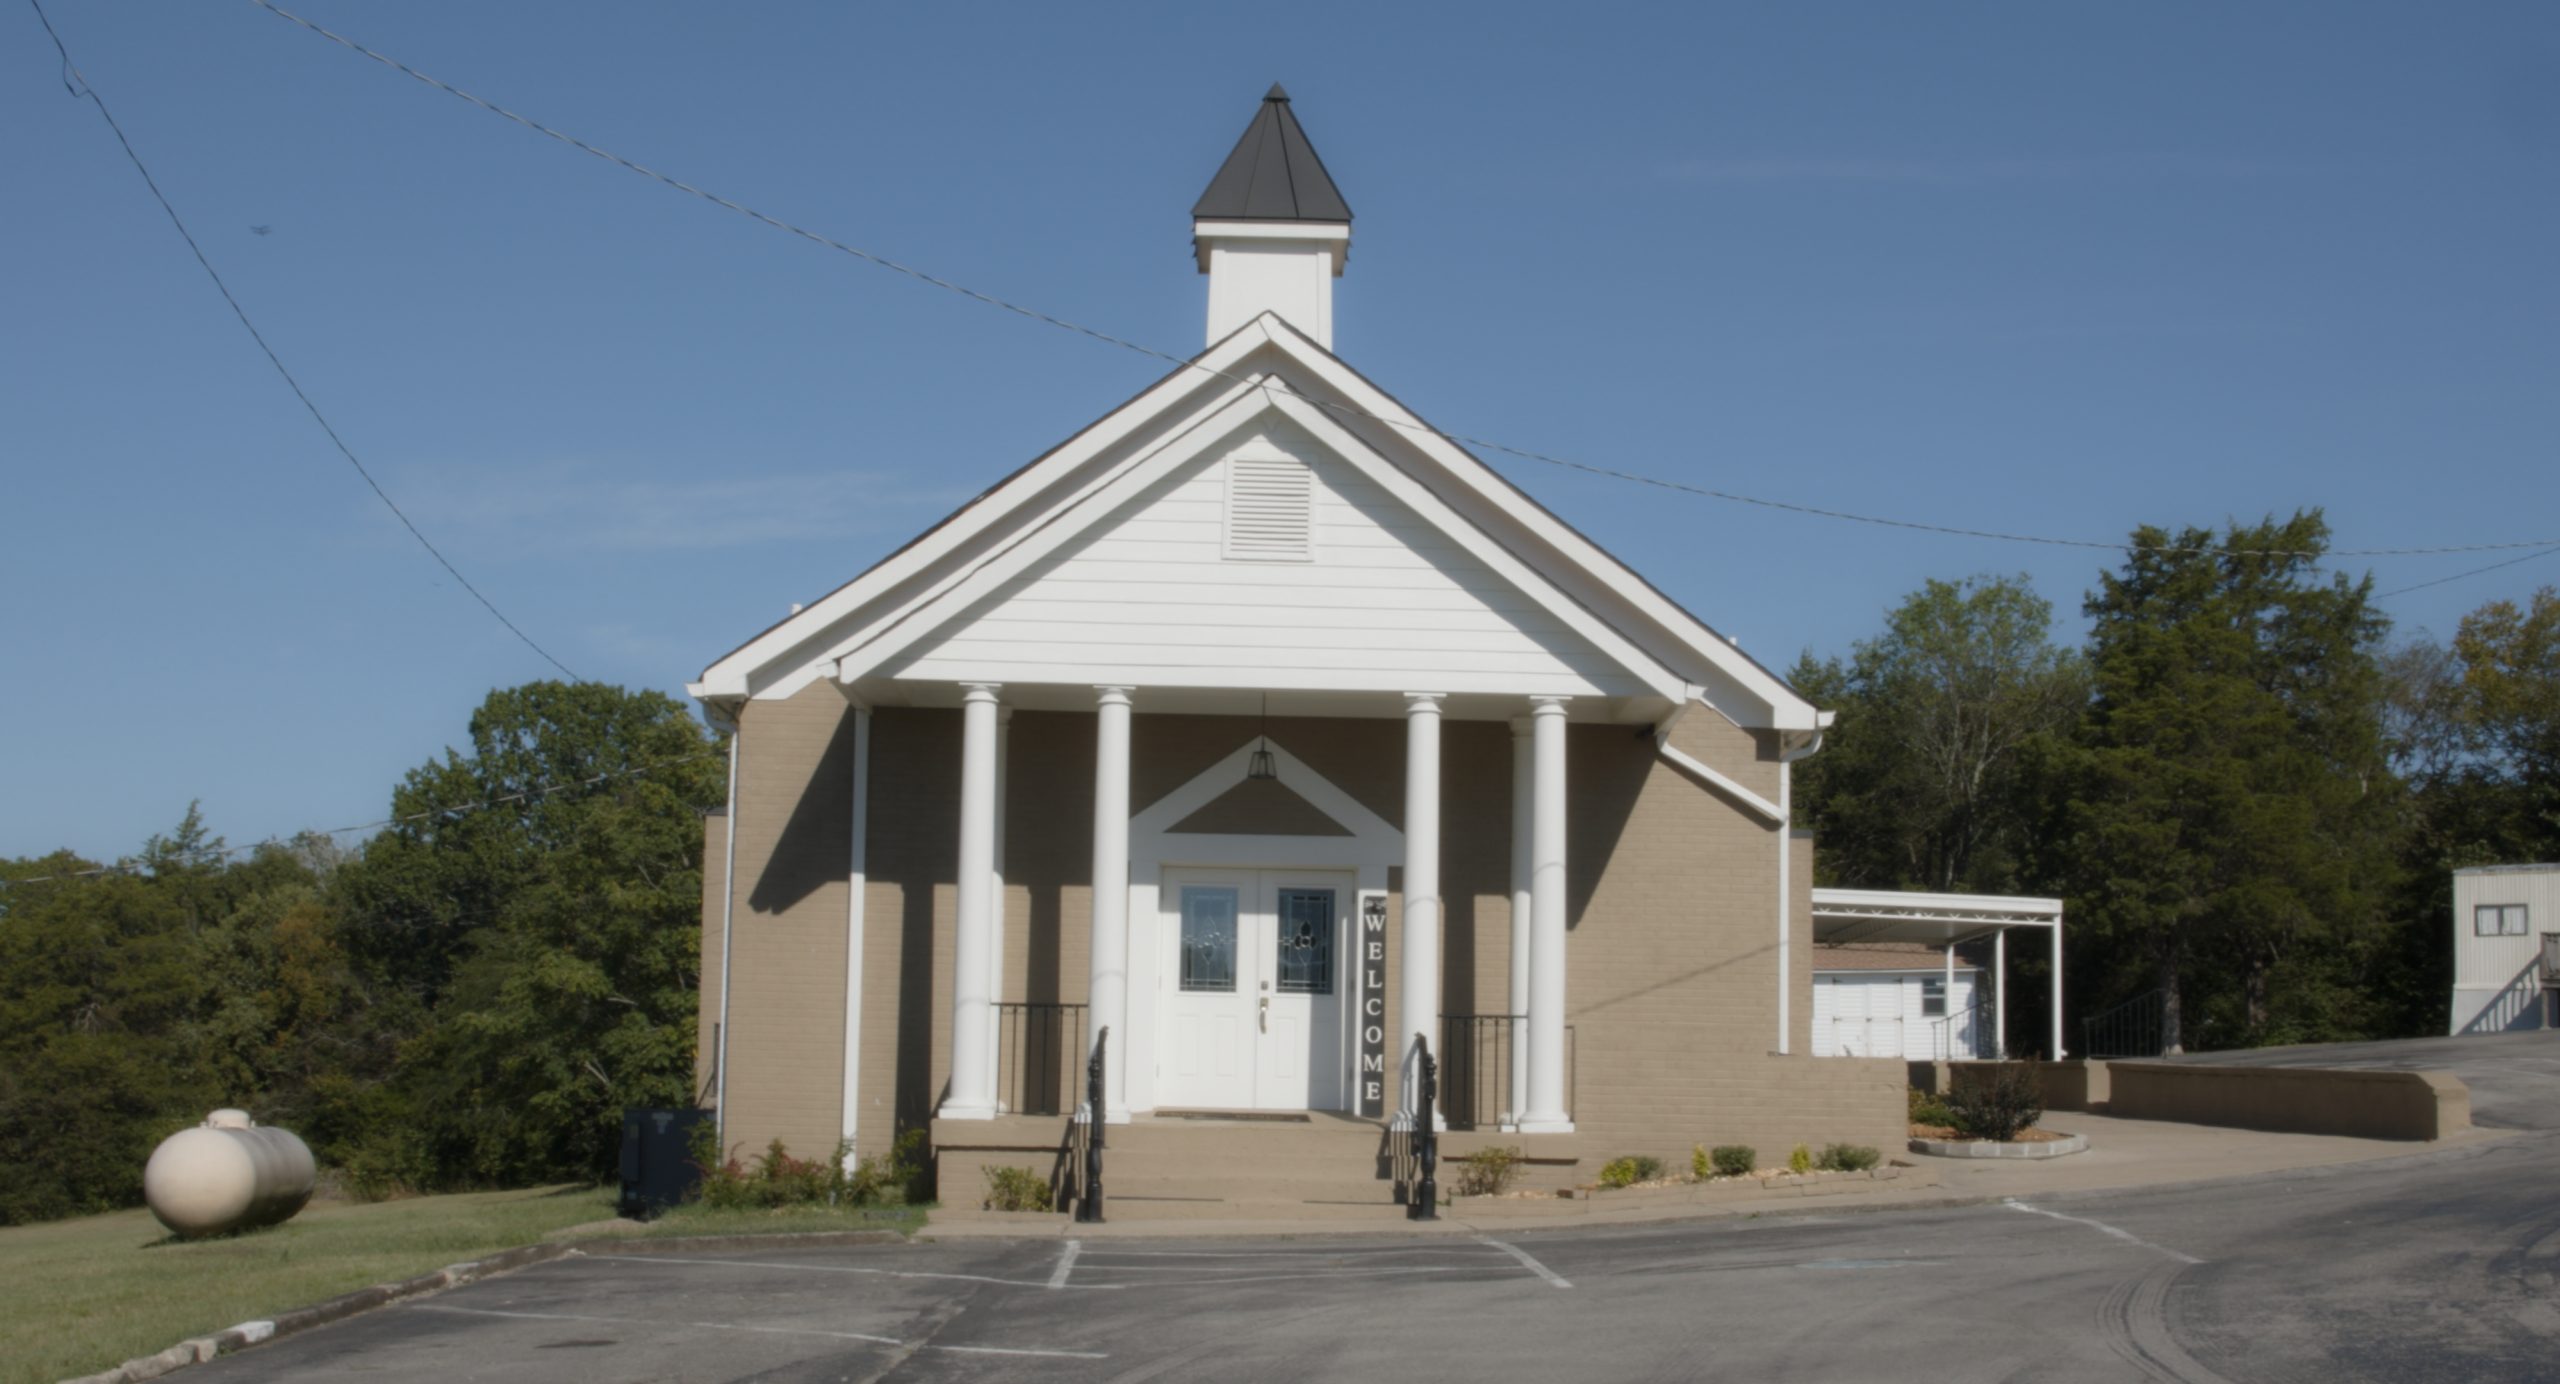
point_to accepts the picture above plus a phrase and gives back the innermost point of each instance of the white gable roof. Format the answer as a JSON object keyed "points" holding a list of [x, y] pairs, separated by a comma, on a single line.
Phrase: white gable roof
{"points": [[1095, 562]]}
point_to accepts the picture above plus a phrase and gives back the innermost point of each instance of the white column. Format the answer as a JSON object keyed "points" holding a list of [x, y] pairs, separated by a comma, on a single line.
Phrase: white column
{"points": [[1546, 1113], [1419, 996], [2000, 993], [2057, 987], [1523, 779], [973, 1074], [1107, 991], [995, 906]]}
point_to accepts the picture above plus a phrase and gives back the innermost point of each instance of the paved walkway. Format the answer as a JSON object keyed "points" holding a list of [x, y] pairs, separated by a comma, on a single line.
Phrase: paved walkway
{"points": [[2122, 1154]]}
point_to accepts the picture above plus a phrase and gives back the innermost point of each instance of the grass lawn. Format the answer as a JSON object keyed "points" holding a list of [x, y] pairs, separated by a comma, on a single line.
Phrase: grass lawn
{"points": [[82, 1295]]}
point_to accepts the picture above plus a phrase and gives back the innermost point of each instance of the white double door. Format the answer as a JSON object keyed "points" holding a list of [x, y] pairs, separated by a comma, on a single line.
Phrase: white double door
{"points": [[1254, 974]]}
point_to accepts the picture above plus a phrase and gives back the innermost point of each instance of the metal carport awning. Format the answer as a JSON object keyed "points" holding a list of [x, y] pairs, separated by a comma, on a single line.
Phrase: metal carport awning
{"points": [[1844, 916]]}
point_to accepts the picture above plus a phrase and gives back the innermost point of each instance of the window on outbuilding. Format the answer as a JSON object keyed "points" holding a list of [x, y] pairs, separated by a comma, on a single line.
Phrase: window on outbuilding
{"points": [[1933, 998], [2498, 920]]}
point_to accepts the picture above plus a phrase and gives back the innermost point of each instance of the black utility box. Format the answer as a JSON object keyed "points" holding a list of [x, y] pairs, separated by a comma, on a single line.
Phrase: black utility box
{"points": [[658, 1170]]}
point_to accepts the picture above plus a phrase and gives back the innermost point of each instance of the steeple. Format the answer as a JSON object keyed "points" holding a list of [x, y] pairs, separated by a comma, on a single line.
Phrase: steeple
{"points": [[1272, 231]]}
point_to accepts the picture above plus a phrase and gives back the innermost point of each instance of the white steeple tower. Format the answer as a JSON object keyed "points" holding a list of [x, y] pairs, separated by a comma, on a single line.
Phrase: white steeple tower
{"points": [[1272, 232]]}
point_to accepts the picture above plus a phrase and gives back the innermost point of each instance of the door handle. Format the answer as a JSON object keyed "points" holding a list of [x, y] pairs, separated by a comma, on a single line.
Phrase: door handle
{"points": [[1265, 1015]]}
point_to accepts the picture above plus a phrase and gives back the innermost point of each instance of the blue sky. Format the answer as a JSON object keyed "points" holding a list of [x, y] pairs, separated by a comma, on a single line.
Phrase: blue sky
{"points": [[2060, 270]]}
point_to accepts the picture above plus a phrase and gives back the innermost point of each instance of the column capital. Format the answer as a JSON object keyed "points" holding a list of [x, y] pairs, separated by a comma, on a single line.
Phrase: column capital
{"points": [[1546, 705], [1417, 702], [1105, 695], [980, 691]]}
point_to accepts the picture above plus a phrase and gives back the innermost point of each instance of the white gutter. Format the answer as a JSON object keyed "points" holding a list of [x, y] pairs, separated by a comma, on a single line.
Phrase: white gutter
{"points": [[1786, 850], [857, 876], [728, 910]]}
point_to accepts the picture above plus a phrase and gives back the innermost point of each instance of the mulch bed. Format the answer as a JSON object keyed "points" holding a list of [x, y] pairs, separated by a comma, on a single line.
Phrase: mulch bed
{"points": [[2025, 1136]]}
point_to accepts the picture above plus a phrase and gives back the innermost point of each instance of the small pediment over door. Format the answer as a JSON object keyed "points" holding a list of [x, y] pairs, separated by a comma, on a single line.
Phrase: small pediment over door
{"points": [[1259, 807]]}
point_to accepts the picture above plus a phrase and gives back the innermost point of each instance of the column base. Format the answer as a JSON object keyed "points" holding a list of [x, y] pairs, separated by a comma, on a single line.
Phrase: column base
{"points": [[1111, 1114], [1535, 1125], [951, 1111], [1403, 1123]]}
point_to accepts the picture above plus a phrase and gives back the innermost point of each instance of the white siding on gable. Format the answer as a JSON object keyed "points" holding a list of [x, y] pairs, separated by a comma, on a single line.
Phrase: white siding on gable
{"points": [[1164, 593]]}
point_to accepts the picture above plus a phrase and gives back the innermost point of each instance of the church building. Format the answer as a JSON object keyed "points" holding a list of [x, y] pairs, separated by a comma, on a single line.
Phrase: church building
{"points": [[1261, 739]]}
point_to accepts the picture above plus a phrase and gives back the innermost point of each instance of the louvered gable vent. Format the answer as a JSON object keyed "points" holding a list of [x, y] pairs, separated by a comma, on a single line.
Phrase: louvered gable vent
{"points": [[1270, 509]]}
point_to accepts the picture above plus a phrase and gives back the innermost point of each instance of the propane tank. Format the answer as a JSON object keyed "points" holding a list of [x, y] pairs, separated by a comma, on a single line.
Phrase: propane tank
{"points": [[228, 1173]]}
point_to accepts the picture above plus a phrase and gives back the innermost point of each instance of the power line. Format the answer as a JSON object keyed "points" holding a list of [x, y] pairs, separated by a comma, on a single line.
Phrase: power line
{"points": [[84, 87], [211, 853], [2476, 571], [1271, 386]]}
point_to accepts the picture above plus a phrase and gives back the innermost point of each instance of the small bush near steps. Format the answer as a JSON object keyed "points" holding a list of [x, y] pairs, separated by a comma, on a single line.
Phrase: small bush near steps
{"points": [[1487, 1172], [1847, 1158], [1016, 1189], [1724, 1160], [1800, 1160], [1927, 1108], [1630, 1170]]}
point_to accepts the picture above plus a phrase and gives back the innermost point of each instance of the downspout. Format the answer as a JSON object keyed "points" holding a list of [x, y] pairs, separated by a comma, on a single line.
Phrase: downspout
{"points": [[728, 935], [1787, 757], [859, 878]]}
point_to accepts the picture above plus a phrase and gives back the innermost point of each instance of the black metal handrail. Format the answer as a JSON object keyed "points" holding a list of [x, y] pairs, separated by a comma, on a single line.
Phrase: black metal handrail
{"points": [[1424, 1204], [1974, 1016], [2550, 957], [1483, 1053], [1036, 1044], [1089, 1195], [2131, 1029]]}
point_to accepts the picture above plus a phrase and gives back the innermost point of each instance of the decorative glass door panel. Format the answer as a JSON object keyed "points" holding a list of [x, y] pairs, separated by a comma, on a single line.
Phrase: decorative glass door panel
{"points": [[1253, 1012]]}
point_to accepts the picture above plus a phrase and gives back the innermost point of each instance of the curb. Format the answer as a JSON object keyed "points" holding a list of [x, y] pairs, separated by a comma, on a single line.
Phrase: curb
{"points": [[1985, 1148], [196, 1350]]}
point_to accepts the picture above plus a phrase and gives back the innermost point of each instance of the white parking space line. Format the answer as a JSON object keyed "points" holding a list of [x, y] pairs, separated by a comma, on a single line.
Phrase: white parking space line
{"points": [[658, 1321], [838, 1268], [1269, 1256], [1532, 1265], [2125, 1235], [754, 1330], [1066, 1263]]}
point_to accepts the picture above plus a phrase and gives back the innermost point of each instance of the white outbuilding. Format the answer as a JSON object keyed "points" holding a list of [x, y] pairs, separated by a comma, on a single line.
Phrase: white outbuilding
{"points": [[2506, 951]]}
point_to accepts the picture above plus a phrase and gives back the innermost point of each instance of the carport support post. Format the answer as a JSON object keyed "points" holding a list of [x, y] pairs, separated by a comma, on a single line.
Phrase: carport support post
{"points": [[2057, 987], [1947, 1005], [2000, 992]]}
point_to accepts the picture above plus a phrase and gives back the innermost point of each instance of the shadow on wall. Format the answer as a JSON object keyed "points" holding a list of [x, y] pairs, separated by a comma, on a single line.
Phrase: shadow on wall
{"points": [[815, 847], [2515, 1009]]}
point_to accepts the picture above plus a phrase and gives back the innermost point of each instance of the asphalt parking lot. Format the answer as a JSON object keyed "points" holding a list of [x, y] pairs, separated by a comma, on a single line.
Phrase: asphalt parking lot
{"points": [[2434, 1265]]}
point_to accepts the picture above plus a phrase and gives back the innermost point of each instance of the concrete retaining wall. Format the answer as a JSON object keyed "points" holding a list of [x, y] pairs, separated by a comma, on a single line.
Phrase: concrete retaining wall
{"points": [[2076, 1085], [2368, 1105]]}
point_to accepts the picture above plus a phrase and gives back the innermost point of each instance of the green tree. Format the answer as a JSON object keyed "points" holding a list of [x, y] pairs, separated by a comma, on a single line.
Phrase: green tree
{"points": [[530, 932], [2227, 812], [1917, 785]]}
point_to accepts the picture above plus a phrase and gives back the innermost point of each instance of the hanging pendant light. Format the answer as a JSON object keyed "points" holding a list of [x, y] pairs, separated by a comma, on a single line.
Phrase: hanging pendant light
{"points": [[1262, 765]]}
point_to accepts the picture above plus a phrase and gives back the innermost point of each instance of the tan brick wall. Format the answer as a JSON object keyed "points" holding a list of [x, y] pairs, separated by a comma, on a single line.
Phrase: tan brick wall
{"points": [[1671, 901], [793, 818]]}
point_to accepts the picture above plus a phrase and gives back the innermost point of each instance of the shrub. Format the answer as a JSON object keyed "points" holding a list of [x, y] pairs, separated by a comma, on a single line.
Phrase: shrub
{"points": [[1725, 1160], [1487, 1172], [1630, 1170], [1800, 1159], [1929, 1109], [776, 1179], [1847, 1158], [1996, 1100], [1016, 1189]]}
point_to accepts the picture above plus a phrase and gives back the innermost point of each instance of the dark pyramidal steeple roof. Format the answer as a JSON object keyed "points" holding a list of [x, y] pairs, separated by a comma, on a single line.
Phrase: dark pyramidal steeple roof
{"points": [[1273, 175]]}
